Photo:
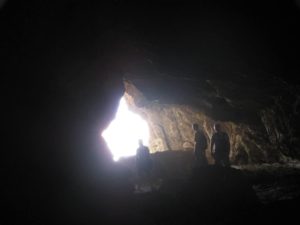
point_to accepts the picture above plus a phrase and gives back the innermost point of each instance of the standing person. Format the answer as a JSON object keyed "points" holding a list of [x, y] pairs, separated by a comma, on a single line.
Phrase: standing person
{"points": [[220, 146], [143, 160], [200, 145]]}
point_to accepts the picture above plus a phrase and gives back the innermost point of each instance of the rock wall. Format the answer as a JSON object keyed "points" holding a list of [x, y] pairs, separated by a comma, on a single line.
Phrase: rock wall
{"points": [[266, 137]]}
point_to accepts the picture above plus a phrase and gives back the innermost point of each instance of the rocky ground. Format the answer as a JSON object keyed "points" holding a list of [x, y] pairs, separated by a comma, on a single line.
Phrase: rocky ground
{"points": [[261, 194]]}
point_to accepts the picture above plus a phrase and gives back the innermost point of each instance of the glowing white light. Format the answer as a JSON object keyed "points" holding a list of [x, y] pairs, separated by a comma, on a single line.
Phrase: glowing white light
{"points": [[124, 131]]}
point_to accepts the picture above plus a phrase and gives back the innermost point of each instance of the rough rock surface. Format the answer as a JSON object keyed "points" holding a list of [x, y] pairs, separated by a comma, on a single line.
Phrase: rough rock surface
{"points": [[259, 113]]}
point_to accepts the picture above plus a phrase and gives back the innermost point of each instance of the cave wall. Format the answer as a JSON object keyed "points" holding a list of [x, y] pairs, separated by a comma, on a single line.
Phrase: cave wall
{"points": [[64, 63], [263, 138]]}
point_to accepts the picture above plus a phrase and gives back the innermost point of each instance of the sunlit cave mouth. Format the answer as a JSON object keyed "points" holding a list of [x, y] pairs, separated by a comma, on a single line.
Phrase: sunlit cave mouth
{"points": [[124, 131]]}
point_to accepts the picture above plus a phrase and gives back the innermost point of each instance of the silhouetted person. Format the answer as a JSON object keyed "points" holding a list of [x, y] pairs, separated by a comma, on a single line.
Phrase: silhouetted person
{"points": [[220, 146], [200, 145], [143, 160]]}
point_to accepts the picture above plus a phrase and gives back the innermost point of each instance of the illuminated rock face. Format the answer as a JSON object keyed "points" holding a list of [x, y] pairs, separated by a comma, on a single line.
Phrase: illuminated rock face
{"points": [[255, 136]]}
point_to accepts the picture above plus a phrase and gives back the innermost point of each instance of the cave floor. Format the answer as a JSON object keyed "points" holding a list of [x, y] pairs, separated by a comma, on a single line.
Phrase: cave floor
{"points": [[241, 194]]}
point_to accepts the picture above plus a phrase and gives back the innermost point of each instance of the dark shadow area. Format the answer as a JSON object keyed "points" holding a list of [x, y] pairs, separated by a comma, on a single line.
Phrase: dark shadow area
{"points": [[184, 193], [63, 64]]}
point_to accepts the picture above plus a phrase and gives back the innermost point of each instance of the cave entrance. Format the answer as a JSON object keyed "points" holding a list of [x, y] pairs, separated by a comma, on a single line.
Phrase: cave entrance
{"points": [[124, 131]]}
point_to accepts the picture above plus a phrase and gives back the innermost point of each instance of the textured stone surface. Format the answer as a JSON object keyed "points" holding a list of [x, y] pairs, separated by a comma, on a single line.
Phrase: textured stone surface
{"points": [[260, 120]]}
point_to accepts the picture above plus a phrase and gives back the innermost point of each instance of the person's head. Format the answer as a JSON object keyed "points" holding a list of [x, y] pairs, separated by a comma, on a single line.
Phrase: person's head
{"points": [[140, 142], [217, 127], [195, 126]]}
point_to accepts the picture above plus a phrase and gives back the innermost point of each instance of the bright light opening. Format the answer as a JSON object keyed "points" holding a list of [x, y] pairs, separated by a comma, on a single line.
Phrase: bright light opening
{"points": [[124, 131]]}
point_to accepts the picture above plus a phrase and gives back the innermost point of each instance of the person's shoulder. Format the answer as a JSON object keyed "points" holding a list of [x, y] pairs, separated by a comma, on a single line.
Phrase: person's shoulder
{"points": [[213, 137], [224, 134], [145, 148], [201, 131]]}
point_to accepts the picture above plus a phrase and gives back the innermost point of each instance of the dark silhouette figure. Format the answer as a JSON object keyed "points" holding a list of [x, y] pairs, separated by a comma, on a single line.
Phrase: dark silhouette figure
{"points": [[143, 160], [200, 145], [220, 146]]}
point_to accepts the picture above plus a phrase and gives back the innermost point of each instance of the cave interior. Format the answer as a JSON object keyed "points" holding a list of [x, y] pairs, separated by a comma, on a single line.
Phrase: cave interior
{"points": [[68, 63]]}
